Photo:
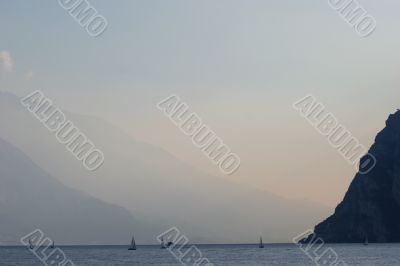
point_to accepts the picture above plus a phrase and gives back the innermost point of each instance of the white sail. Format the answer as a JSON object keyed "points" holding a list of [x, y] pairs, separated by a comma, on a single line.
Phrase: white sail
{"points": [[30, 244], [163, 243]]}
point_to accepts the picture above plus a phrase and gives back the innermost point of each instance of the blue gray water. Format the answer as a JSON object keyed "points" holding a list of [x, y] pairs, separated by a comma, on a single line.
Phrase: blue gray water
{"points": [[285, 254]]}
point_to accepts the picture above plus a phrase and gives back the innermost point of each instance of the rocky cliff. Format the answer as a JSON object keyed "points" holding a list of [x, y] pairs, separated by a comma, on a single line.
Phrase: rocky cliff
{"points": [[371, 206]]}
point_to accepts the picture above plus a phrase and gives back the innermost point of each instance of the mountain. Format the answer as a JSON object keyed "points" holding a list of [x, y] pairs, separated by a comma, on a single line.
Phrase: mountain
{"points": [[156, 186], [371, 206], [31, 199]]}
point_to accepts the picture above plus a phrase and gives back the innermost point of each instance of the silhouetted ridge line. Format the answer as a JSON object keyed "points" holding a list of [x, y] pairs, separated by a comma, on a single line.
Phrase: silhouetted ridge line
{"points": [[371, 206]]}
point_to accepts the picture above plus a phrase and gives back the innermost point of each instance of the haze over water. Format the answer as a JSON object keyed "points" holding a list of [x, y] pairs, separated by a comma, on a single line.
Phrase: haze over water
{"points": [[104, 105], [219, 255]]}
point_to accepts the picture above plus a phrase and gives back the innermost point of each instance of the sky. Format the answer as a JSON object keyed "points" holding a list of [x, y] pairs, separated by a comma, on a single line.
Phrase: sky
{"points": [[239, 64]]}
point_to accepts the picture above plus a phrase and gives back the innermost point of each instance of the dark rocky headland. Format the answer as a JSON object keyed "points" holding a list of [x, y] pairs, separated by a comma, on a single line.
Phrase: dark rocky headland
{"points": [[371, 206]]}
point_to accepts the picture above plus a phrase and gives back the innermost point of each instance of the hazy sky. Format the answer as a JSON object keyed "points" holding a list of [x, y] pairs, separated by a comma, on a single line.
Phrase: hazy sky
{"points": [[239, 64]]}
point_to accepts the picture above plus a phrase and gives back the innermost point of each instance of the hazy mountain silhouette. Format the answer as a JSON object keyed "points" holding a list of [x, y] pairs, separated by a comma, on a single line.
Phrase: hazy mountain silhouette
{"points": [[31, 199], [156, 186], [371, 206]]}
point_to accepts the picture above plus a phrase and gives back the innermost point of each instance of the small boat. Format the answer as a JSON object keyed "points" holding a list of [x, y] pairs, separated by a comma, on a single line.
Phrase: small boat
{"points": [[170, 243], [30, 244], [163, 246], [261, 245], [133, 244], [52, 244], [366, 241]]}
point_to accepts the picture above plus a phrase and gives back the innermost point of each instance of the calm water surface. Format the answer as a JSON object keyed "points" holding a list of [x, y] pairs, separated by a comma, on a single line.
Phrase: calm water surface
{"points": [[284, 254]]}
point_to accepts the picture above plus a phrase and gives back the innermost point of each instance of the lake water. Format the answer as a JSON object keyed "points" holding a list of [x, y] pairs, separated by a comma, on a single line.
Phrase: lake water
{"points": [[277, 254]]}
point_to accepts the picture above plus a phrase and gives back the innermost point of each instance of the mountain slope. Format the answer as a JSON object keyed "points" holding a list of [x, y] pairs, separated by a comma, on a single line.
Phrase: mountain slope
{"points": [[371, 206], [157, 186], [31, 199]]}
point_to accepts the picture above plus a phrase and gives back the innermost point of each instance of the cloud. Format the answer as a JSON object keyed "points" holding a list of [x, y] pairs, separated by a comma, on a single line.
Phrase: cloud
{"points": [[6, 59]]}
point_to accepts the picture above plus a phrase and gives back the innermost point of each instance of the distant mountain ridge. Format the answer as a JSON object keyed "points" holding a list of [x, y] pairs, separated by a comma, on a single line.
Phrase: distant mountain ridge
{"points": [[157, 187], [371, 206], [31, 199]]}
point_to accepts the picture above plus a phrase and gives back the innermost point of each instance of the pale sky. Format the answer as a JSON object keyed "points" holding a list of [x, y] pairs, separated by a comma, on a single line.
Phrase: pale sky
{"points": [[239, 64]]}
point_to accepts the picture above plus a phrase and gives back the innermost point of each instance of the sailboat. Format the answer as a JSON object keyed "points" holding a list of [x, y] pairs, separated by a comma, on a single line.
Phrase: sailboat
{"points": [[366, 241], [163, 246], [133, 244], [52, 244], [261, 245], [30, 244]]}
